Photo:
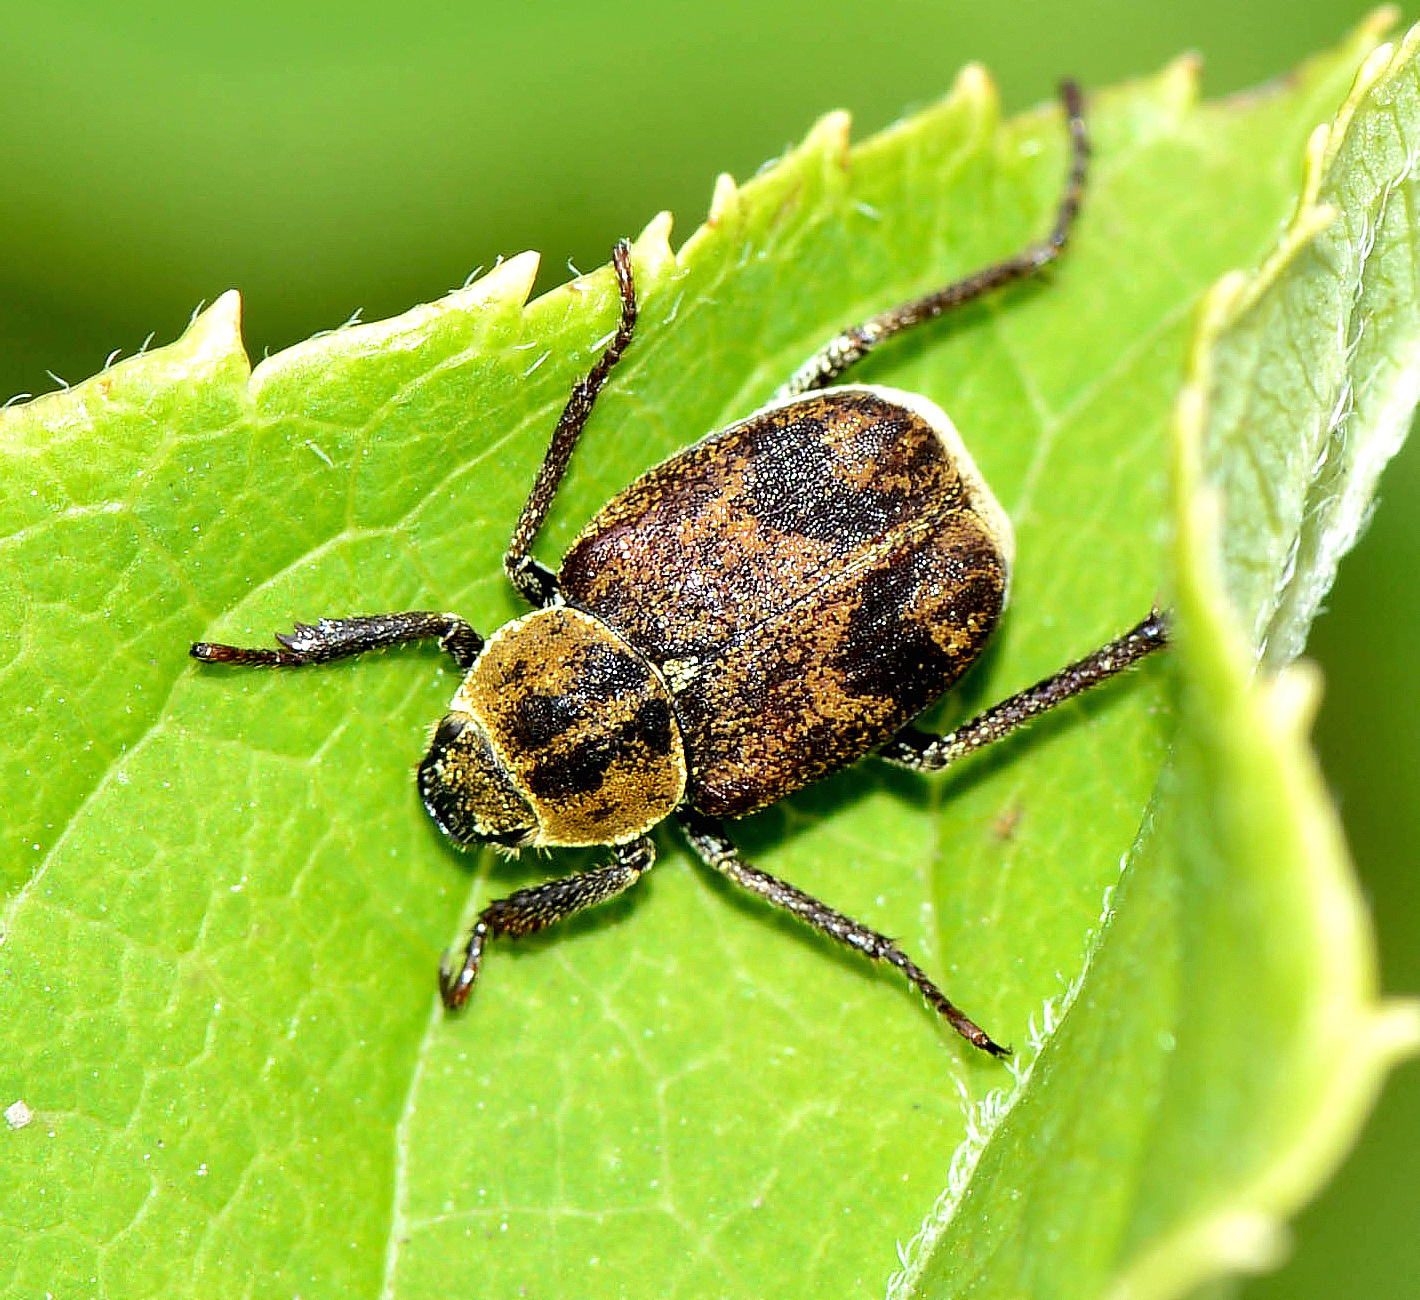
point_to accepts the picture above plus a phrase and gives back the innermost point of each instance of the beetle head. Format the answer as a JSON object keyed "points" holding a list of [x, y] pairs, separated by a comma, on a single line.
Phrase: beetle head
{"points": [[560, 736], [469, 791]]}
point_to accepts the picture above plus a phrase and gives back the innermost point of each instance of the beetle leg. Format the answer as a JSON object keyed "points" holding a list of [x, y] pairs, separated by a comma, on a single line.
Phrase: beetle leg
{"points": [[708, 839], [853, 344], [536, 583], [530, 910], [924, 752], [339, 638]]}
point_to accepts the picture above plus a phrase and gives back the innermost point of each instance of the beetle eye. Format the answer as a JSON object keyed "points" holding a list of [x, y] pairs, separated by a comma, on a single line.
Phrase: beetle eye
{"points": [[451, 727], [469, 792]]}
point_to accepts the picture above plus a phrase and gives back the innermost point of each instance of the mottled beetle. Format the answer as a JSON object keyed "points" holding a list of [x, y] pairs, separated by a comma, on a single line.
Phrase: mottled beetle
{"points": [[761, 609]]}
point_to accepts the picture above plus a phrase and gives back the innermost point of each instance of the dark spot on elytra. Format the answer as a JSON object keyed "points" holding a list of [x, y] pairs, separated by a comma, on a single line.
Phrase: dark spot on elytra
{"points": [[805, 477], [888, 652]]}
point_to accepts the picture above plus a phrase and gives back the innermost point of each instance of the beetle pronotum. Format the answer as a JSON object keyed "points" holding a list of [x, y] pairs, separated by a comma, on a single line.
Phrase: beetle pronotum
{"points": [[762, 609]]}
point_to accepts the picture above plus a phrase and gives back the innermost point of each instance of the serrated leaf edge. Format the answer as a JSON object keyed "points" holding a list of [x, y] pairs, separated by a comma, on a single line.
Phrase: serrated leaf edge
{"points": [[1241, 1239], [1248, 1233]]}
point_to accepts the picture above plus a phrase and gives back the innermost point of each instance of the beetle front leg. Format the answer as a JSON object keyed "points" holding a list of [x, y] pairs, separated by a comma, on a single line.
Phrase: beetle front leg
{"points": [[533, 581], [530, 910], [709, 840], [339, 638], [923, 752]]}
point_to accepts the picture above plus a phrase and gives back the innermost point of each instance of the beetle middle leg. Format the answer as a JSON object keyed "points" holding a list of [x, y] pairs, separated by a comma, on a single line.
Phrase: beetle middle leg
{"points": [[709, 840], [536, 583], [530, 910], [831, 360], [340, 638], [923, 752]]}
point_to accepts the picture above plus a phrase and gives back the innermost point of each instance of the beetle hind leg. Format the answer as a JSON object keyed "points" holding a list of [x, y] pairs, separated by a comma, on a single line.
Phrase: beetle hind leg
{"points": [[708, 839], [530, 910], [921, 751], [851, 346]]}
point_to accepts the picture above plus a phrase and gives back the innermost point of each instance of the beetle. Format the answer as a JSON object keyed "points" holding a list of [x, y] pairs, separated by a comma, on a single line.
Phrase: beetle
{"points": [[761, 609]]}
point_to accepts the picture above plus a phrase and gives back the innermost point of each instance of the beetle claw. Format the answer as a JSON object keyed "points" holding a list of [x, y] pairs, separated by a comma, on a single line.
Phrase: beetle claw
{"points": [[456, 983]]}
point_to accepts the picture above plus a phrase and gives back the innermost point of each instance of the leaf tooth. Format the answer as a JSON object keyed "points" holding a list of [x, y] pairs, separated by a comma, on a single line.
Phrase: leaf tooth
{"points": [[976, 96], [1395, 1030], [1181, 80], [724, 202], [216, 333], [1291, 697], [653, 246], [507, 283], [1380, 63], [975, 85], [1246, 1241], [829, 135]]}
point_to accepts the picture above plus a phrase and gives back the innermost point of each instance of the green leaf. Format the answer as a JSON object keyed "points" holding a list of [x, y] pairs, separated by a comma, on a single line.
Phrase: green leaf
{"points": [[225, 904], [1313, 361]]}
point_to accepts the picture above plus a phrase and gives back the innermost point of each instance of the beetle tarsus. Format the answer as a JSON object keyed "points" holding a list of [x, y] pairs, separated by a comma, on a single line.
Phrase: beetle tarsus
{"points": [[213, 652], [340, 638], [921, 751], [938, 1001], [455, 986]]}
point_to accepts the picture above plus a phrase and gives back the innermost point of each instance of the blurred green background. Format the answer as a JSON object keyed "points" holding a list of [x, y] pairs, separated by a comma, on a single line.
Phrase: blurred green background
{"points": [[327, 157]]}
